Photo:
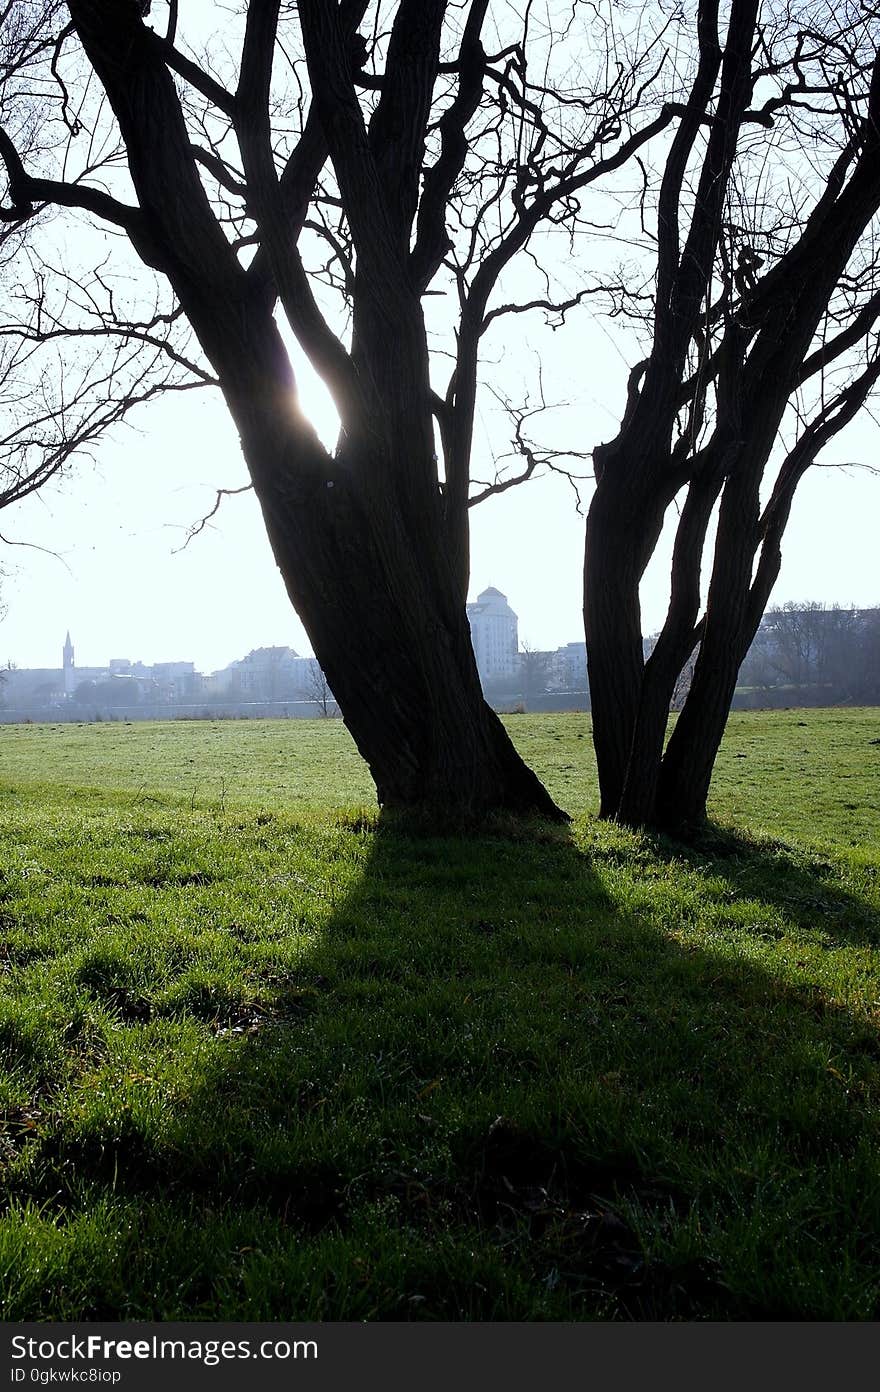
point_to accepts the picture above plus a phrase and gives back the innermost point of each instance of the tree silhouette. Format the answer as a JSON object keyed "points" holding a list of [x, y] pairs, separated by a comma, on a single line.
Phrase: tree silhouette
{"points": [[318, 690], [762, 344], [341, 163]]}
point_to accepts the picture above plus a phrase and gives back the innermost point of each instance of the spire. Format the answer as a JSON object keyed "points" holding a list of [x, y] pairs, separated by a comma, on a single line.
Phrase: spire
{"points": [[68, 666]]}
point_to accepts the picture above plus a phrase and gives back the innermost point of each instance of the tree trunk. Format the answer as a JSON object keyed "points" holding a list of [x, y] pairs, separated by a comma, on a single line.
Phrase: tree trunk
{"points": [[615, 661], [693, 746], [672, 650], [622, 531], [637, 804], [368, 576], [732, 617], [398, 659]]}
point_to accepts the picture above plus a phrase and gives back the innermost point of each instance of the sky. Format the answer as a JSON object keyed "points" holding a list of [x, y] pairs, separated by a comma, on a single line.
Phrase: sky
{"points": [[102, 554]]}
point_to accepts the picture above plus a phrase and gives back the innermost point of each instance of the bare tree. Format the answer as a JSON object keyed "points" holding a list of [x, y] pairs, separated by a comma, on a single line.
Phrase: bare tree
{"points": [[812, 645], [762, 345], [534, 670], [373, 169], [866, 686], [318, 690], [73, 361], [798, 639]]}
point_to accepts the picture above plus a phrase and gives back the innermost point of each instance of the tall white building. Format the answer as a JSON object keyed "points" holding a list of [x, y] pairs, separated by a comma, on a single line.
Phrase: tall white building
{"points": [[494, 634]]}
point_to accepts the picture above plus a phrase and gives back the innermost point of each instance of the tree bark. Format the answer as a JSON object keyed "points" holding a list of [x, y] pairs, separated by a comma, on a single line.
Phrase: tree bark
{"points": [[623, 524], [369, 578], [614, 650], [396, 650]]}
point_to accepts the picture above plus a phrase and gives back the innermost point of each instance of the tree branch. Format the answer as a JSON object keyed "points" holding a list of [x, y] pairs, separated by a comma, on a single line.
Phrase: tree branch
{"points": [[190, 71], [271, 209], [397, 128], [28, 192], [198, 527], [432, 240]]}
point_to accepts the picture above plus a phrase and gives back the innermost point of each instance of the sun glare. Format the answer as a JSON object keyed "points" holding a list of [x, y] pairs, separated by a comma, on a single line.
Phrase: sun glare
{"points": [[315, 401]]}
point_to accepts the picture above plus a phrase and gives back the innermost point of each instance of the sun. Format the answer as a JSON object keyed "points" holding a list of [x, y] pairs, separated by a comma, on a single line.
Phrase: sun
{"points": [[315, 401]]}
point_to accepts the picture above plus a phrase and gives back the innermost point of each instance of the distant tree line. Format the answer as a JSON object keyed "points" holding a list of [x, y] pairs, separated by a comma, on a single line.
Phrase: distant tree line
{"points": [[832, 650]]}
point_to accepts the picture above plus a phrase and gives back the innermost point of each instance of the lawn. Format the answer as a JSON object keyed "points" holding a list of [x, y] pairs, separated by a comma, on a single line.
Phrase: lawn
{"points": [[267, 1055]]}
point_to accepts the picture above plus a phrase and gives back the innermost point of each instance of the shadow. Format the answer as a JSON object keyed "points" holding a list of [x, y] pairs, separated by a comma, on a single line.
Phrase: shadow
{"points": [[803, 884], [486, 1088]]}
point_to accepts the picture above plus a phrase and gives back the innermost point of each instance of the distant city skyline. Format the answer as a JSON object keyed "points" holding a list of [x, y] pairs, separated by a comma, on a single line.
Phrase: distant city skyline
{"points": [[826, 655], [47, 647]]}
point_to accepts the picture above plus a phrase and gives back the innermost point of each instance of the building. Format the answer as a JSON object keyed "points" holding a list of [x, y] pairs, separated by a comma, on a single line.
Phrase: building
{"points": [[68, 667], [45, 692], [494, 634], [569, 667], [275, 681], [265, 674]]}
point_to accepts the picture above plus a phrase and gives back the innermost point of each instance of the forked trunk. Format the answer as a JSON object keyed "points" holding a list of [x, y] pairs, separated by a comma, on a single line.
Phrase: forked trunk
{"points": [[638, 800], [733, 612], [385, 618], [686, 772], [629, 704]]}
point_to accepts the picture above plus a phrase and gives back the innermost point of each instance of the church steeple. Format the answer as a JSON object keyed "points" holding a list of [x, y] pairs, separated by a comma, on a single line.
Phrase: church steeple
{"points": [[68, 665]]}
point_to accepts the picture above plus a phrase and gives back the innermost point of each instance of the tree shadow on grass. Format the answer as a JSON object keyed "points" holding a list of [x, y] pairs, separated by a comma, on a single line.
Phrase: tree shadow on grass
{"points": [[804, 885], [487, 1092]]}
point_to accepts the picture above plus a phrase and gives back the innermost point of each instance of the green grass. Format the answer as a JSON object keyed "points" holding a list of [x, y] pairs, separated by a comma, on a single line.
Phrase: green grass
{"points": [[268, 1056]]}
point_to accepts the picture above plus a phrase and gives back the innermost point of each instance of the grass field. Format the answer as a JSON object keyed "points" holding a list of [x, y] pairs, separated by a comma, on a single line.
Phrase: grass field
{"points": [[267, 1055]]}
